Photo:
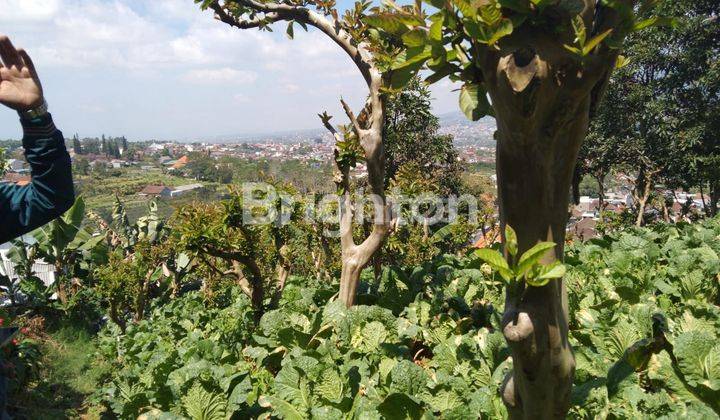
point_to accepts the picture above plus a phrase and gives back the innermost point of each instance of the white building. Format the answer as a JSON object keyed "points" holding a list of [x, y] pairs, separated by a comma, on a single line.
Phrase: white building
{"points": [[41, 269], [178, 191]]}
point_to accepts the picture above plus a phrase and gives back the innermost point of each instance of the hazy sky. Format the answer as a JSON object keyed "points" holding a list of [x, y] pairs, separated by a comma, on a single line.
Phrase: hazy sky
{"points": [[164, 69]]}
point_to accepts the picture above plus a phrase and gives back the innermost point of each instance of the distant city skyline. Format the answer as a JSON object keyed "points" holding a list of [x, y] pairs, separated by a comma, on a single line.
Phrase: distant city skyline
{"points": [[165, 70]]}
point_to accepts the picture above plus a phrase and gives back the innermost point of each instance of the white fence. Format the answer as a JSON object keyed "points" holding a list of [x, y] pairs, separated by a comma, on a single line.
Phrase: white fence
{"points": [[44, 271]]}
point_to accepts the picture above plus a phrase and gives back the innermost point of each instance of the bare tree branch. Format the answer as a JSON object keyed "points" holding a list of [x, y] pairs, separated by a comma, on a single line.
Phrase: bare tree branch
{"points": [[332, 29], [222, 15], [351, 116]]}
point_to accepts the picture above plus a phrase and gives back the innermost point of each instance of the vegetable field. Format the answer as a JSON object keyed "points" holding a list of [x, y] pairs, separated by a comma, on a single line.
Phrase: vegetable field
{"points": [[424, 342]]}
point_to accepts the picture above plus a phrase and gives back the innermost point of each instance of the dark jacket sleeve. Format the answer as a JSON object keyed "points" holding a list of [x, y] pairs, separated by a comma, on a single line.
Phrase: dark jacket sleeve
{"points": [[49, 194]]}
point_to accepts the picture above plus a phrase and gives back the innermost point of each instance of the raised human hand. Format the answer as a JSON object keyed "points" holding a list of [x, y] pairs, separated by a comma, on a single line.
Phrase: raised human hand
{"points": [[20, 87]]}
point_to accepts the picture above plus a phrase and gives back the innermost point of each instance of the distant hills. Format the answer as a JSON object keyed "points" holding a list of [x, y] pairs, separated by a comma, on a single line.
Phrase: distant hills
{"points": [[464, 131]]}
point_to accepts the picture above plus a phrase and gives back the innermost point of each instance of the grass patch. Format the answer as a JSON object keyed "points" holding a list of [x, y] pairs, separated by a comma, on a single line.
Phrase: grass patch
{"points": [[70, 374]]}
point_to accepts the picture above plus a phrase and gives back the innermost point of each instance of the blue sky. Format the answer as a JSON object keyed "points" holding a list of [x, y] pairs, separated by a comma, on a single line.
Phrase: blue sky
{"points": [[163, 69]]}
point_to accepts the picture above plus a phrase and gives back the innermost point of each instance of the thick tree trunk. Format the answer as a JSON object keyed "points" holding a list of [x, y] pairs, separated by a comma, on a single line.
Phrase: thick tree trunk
{"points": [[354, 259], [533, 189], [540, 130]]}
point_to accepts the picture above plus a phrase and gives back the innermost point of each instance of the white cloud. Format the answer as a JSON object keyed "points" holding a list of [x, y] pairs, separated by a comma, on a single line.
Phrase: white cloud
{"points": [[291, 87], [241, 98], [28, 11], [223, 75], [165, 55]]}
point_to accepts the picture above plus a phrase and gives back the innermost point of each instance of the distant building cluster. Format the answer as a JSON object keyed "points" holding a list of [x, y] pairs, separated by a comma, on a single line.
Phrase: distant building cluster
{"points": [[585, 216], [305, 151]]}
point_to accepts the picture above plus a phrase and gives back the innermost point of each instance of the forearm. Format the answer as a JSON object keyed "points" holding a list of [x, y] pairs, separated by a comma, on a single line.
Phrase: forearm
{"points": [[50, 192]]}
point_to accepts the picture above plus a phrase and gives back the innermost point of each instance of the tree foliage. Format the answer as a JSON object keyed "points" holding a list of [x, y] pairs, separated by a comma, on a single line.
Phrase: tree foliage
{"points": [[411, 138]]}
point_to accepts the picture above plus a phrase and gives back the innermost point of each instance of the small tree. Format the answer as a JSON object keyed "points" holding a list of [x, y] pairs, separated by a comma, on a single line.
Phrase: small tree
{"points": [[363, 139], [539, 67], [77, 146], [691, 54], [598, 156], [141, 251], [257, 257], [411, 138], [632, 123]]}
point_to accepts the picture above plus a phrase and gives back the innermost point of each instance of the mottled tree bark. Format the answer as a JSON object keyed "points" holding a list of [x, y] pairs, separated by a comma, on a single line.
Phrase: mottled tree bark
{"points": [[534, 179], [542, 101]]}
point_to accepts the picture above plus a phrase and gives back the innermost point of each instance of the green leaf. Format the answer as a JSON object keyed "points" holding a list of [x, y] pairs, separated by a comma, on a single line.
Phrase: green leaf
{"points": [[621, 62], [511, 244], [473, 101], [496, 261], [532, 256], [537, 251], [76, 214], [536, 281], [331, 386], [412, 56], [578, 25], [408, 378], [698, 357], [415, 38], [401, 77], [435, 32], [576, 51], [587, 49], [281, 407], [393, 22], [400, 406], [504, 29], [292, 386], [290, 31], [441, 73], [385, 21], [492, 257], [466, 8], [490, 15], [202, 405], [555, 270], [654, 21]]}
